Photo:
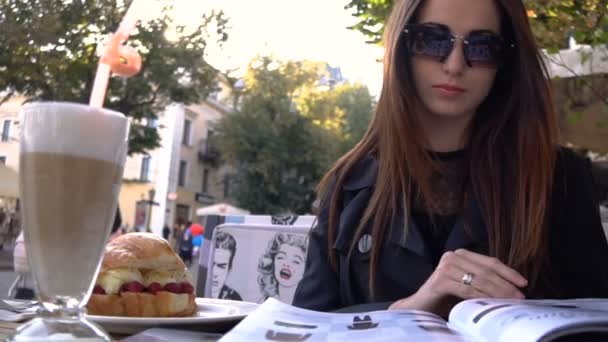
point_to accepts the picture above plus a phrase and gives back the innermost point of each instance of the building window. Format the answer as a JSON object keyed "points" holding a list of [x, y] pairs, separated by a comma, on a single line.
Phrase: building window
{"points": [[182, 213], [152, 122], [226, 186], [187, 133], [205, 180], [3, 160], [183, 168], [6, 129], [214, 95], [145, 169]]}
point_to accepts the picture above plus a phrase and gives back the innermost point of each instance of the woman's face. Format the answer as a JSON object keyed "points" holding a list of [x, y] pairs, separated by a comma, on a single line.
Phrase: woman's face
{"points": [[289, 265], [452, 89]]}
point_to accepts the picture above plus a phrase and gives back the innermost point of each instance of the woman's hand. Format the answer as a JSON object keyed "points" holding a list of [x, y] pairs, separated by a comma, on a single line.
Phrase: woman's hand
{"points": [[464, 275]]}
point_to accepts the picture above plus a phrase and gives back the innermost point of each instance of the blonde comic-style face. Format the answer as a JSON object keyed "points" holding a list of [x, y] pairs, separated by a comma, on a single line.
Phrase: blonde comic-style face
{"points": [[451, 88], [289, 265]]}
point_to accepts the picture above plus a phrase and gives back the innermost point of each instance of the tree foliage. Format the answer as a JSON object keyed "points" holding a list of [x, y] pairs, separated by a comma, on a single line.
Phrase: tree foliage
{"points": [[344, 112], [372, 15], [49, 52], [287, 132], [553, 21]]}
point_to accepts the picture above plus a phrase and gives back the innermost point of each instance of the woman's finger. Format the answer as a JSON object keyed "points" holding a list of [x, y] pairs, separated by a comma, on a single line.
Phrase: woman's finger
{"points": [[494, 285], [444, 281], [483, 280], [495, 265]]}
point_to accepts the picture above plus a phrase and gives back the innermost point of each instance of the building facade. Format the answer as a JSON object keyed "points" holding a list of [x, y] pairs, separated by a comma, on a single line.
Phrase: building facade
{"points": [[166, 185], [9, 140]]}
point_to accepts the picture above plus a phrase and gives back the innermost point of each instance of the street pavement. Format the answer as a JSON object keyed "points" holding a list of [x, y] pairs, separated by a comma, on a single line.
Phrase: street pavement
{"points": [[7, 275]]}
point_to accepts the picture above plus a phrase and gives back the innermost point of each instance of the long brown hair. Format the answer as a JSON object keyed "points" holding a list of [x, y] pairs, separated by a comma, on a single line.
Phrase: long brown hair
{"points": [[514, 128]]}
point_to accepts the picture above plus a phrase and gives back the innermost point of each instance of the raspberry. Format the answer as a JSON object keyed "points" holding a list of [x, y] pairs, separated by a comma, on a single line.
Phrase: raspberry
{"points": [[154, 287], [174, 287], [99, 290], [187, 288], [133, 286]]}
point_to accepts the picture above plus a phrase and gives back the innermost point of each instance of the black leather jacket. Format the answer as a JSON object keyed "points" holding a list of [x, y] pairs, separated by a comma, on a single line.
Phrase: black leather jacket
{"points": [[578, 251]]}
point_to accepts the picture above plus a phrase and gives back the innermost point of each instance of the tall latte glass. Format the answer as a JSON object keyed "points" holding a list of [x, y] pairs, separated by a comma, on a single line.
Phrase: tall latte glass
{"points": [[71, 162]]}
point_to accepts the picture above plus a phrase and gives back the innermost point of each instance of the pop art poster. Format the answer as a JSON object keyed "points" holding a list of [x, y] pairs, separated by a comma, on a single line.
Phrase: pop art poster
{"points": [[253, 263]]}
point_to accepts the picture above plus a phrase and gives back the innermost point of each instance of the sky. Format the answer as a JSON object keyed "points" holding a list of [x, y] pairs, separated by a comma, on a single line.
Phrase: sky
{"points": [[290, 29]]}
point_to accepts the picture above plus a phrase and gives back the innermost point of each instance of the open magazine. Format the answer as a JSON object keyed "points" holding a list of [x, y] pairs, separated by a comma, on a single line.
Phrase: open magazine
{"points": [[474, 320]]}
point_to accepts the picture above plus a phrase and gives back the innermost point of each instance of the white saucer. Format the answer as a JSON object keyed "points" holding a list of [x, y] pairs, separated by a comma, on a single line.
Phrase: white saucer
{"points": [[210, 312]]}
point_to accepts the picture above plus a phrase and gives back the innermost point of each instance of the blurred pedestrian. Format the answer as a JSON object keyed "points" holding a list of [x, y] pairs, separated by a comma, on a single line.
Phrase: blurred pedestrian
{"points": [[166, 232], [186, 246]]}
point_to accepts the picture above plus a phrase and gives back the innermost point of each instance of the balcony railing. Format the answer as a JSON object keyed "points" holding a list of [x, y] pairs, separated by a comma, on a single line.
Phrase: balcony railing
{"points": [[208, 152]]}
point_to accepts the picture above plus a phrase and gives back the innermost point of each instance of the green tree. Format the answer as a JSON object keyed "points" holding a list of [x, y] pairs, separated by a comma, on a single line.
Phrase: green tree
{"points": [[553, 21], [285, 134], [372, 15], [344, 111], [359, 105], [49, 53]]}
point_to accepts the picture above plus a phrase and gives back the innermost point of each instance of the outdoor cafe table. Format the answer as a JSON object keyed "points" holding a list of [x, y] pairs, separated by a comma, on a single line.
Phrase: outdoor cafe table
{"points": [[7, 328], [205, 331]]}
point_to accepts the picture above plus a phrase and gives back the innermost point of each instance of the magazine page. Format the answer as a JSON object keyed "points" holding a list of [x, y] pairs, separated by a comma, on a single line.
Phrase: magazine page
{"points": [[276, 321], [585, 303], [528, 320]]}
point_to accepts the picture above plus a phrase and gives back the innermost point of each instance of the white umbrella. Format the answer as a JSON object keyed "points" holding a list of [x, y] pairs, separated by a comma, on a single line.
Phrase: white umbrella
{"points": [[221, 209], [9, 182]]}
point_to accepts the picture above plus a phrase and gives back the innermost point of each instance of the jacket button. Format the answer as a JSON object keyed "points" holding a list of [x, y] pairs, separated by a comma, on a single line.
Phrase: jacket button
{"points": [[365, 243]]}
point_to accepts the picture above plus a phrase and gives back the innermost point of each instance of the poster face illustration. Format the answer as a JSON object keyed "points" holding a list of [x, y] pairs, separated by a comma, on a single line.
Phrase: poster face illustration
{"points": [[253, 263], [225, 250], [281, 267], [289, 265]]}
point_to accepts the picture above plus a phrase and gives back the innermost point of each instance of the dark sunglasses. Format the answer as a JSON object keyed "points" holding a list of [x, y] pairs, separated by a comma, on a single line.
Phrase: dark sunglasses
{"points": [[480, 48]]}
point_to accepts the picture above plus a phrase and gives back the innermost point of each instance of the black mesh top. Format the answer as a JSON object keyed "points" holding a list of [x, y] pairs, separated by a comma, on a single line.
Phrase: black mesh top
{"points": [[446, 205]]}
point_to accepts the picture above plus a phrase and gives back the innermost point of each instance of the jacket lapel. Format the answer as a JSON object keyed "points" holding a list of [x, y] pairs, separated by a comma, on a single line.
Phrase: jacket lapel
{"points": [[469, 232], [412, 240]]}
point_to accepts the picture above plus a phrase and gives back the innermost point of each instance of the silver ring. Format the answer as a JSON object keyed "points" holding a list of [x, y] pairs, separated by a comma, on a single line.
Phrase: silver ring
{"points": [[467, 278]]}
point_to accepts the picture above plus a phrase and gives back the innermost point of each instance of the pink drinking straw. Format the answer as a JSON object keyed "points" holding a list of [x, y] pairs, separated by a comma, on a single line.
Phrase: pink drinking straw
{"points": [[117, 58]]}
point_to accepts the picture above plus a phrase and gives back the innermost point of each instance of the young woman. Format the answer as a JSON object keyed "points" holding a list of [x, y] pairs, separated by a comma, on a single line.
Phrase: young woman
{"points": [[458, 189]]}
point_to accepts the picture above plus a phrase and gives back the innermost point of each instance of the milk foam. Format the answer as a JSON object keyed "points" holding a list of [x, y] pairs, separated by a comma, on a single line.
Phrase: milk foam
{"points": [[74, 129]]}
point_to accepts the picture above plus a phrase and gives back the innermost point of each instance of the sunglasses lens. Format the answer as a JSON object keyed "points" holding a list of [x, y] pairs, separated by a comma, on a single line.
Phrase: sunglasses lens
{"points": [[436, 42], [484, 49], [431, 42]]}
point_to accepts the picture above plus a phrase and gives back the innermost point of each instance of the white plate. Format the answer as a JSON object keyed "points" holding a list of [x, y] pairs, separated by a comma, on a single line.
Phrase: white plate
{"points": [[210, 314]]}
